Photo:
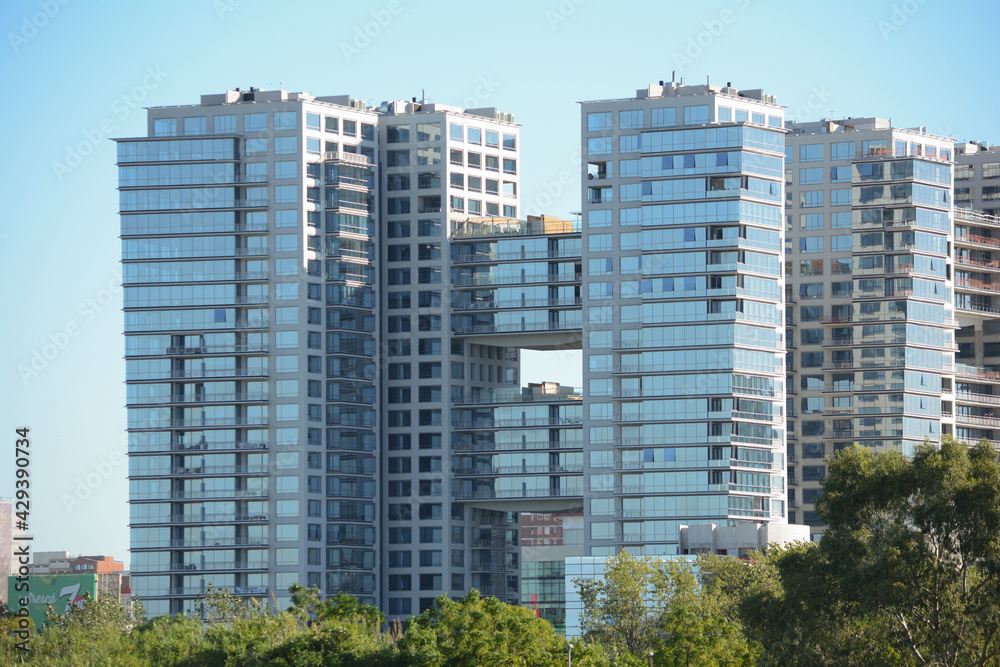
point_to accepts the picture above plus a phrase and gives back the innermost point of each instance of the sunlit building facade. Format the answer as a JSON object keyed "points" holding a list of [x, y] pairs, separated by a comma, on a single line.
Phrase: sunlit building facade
{"points": [[682, 302], [870, 324]]}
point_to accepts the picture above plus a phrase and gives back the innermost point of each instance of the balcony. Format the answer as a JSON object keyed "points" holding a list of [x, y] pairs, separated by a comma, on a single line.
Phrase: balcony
{"points": [[218, 421], [216, 373], [200, 591], [218, 566], [976, 239], [218, 517], [495, 567], [207, 471], [493, 396], [521, 303], [838, 341], [513, 446], [519, 422], [502, 227], [514, 494], [969, 397], [972, 442], [197, 446], [534, 327], [222, 542], [348, 158], [978, 308], [486, 280], [973, 283], [486, 471], [964, 371], [982, 263], [481, 257], [494, 543], [202, 494], [199, 422], [255, 397], [218, 349], [978, 420], [711, 463]]}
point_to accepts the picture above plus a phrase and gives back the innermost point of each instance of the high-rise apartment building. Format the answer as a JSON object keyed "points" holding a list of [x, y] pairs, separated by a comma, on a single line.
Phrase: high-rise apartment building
{"points": [[682, 300], [977, 177], [869, 298], [248, 232], [325, 304]]}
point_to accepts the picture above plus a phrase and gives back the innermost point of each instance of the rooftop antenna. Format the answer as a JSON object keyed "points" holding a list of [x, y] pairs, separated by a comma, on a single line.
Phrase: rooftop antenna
{"points": [[673, 76], [423, 97]]}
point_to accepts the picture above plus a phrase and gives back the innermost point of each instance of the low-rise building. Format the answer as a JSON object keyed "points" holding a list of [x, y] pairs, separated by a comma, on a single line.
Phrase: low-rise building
{"points": [[111, 575]]}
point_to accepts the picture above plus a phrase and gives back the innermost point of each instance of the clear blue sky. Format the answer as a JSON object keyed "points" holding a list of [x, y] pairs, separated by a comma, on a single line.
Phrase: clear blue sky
{"points": [[76, 72]]}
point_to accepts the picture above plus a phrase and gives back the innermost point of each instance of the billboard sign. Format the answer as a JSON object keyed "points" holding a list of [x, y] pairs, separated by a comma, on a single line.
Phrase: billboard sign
{"points": [[6, 536], [58, 590]]}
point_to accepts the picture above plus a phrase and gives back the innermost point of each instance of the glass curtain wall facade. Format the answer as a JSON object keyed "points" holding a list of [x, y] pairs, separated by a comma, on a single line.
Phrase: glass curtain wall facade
{"points": [[869, 315], [325, 305], [247, 249], [682, 303]]}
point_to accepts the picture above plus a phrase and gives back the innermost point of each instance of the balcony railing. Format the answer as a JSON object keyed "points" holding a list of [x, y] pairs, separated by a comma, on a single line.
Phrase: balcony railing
{"points": [[527, 255], [349, 158], [971, 397], [199, 422], [519, 470], [974, 283], [218, 372], [978, 420], [197, 494], [519, 422], [217, 517], [255, 397], [511, 227], [983, 263], [218, 349], [202, 590], [522, 303], [536, 327], [486, 280], [202, 470], [505, 494], [513, 446], [490, 396], [220, 565], [207, 542]]}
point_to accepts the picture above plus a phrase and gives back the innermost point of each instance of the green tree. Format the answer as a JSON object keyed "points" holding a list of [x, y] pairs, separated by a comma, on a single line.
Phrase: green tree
{"points": [[480, 631], [242, 631], [344, 632], [918, 541], [788, 604], [644, 604], [95, 633], [625, 609], [697, 636], [171, 640]]}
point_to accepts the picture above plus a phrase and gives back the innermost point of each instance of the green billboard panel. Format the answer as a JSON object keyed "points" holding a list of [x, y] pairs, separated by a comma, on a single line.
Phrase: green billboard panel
{"points": [[37, 591]]}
